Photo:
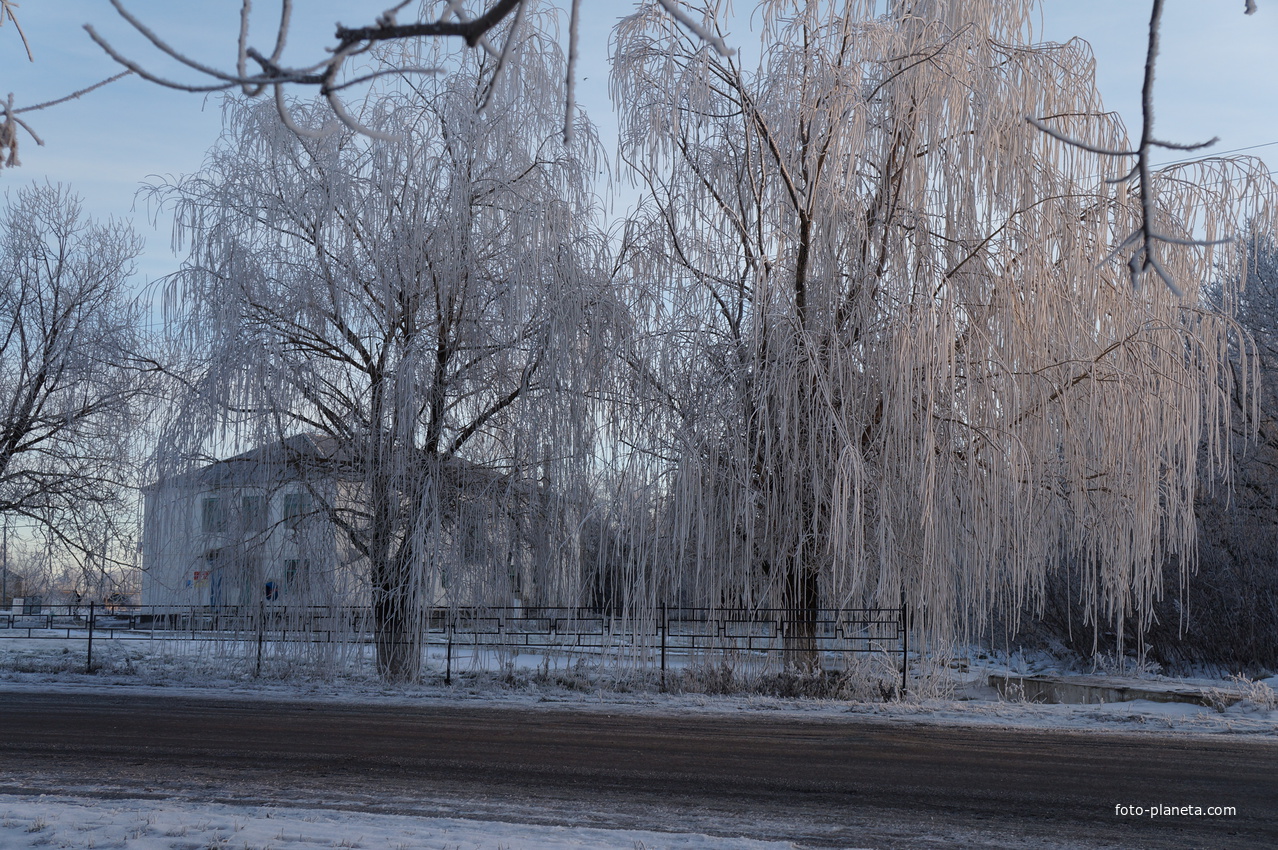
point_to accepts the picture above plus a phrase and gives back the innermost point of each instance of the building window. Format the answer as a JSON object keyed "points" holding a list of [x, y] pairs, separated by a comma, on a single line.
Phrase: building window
{"points": [[297, 506], [253, 513], [296, 573], [213, 515]]}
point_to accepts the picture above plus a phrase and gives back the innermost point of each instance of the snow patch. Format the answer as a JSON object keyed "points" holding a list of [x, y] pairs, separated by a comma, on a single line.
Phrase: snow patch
{"points": [[80, 823]]}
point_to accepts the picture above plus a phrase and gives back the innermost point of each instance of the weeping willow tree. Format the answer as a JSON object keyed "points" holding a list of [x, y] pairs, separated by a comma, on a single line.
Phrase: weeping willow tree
{"points": [[425, 306], [894, 345]]}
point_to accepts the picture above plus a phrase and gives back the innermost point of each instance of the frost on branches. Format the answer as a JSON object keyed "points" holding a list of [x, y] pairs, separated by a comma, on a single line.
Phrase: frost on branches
{"points": [[71, 376], [428, 310], [890, 347], [869, 332]]}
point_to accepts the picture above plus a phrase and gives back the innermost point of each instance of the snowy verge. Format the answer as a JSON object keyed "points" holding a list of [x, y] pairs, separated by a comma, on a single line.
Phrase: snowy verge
{"points": [[959, 696], [81, 823]]}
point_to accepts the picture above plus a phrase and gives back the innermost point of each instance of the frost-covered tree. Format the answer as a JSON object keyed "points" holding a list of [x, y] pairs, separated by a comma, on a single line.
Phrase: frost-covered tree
{"points": [[895, 347], [493, 26], [70, 376], [425, 306], [1227, 612]]}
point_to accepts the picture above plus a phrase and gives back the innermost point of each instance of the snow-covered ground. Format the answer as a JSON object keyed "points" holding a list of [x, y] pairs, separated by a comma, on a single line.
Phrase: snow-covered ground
{"points": [[88, 824], [957, 694]]}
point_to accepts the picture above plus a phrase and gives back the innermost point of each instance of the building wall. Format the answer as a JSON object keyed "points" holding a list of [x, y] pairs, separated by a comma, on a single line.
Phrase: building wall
{"points": [[242, 545], [222, 545]]}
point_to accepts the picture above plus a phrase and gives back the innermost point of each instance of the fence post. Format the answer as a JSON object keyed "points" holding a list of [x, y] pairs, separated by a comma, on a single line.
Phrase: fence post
{"points": [[261, 628], [88, 663], [905, 643], [665, 627]]}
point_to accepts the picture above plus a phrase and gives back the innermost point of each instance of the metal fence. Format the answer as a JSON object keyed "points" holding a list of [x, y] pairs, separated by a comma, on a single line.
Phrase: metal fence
{"points": [[659, 639]]}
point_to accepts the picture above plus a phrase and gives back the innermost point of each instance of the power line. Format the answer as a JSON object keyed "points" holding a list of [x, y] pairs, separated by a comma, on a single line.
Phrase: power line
{"points": [[1216, 153], [1200, 158]]}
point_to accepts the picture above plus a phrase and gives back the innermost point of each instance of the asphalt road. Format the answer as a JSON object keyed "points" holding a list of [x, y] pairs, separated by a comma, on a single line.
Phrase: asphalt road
{"points": [[832, 783]]}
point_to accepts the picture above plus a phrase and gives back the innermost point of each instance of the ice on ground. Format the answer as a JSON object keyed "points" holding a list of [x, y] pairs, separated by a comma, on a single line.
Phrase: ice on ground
{"points": [[80, 823]]}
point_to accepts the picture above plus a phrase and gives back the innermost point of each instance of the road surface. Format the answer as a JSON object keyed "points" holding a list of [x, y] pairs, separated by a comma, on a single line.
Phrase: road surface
{"points": [[826, 783]]}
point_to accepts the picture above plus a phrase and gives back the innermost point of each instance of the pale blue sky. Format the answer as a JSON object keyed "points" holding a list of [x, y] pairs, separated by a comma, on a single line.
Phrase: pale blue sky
{"points": [[1218, 75]]}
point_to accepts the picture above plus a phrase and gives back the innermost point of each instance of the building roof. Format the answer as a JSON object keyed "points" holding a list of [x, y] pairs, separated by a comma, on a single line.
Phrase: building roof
{"points": [[274, 463], [312, 456]]}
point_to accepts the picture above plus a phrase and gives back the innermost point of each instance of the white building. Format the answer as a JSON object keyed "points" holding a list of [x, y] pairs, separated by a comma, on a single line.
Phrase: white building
{"points": [[255, 528], [247, 529]]}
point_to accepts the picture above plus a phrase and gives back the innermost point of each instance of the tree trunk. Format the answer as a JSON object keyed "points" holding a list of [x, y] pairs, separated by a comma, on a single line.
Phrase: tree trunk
{"points": [[801, 611], [397, 628]]}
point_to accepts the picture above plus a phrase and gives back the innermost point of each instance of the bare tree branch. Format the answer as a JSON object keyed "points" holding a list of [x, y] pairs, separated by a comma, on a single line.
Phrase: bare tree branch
{"points": [[6, 13], [1146, 237], [327, 74], [70, 382]]}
